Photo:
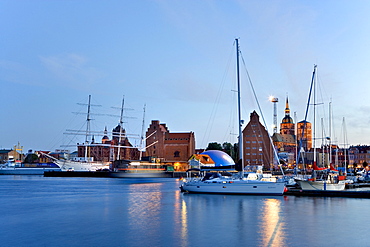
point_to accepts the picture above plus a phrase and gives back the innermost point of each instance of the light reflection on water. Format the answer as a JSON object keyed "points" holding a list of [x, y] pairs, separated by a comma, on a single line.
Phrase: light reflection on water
{"points": [[38, 211], [271, 223]]}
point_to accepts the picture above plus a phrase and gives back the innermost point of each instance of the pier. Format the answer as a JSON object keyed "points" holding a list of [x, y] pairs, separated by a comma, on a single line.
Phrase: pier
{"points": [[328, 193]]}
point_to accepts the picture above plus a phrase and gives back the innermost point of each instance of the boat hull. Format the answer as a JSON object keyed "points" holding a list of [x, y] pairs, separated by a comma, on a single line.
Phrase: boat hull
{"points": [[320, 185], [68, 165], [234, 187], [120, 174], [25, 171]]}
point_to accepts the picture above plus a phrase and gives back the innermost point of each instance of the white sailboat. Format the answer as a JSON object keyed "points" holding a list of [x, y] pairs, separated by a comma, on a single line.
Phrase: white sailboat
{"points": [[238, 183], [322, 178]]}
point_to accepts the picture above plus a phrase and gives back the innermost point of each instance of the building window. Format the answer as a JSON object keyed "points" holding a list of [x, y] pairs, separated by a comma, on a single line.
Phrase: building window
{"points": [[176, 154]]}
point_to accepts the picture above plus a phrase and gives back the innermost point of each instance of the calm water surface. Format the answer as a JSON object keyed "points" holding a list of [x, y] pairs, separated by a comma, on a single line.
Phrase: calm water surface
{"points": [[38, 211]]}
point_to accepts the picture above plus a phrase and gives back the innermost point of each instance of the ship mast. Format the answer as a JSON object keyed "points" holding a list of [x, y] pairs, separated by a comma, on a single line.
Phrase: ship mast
{"points": [[142, 135], [240, 141], [87, 127], [120, 129]]}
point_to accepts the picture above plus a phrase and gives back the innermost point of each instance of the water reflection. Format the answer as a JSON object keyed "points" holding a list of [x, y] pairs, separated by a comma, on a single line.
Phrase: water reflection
{"points": [[271, 225], [180, 212], [144, 205], [233, 220]]}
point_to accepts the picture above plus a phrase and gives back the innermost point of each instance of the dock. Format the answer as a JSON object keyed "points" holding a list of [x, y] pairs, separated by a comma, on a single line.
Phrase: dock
{"points": [[95, 174], [328, 193], [98, 174]]}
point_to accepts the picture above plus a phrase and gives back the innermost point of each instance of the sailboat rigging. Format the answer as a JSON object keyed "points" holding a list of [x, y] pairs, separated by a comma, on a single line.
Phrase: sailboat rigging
{"points": [[322, 178], [237, 183]]}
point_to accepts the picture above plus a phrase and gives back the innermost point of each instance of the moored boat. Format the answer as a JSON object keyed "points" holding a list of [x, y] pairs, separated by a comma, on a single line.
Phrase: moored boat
{"points": [[139, 169], [322, 180], [17, 168], [236, 183]]}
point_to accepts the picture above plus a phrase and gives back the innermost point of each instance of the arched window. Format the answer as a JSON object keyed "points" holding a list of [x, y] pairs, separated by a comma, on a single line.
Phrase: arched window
{"points": [[176, 154]]}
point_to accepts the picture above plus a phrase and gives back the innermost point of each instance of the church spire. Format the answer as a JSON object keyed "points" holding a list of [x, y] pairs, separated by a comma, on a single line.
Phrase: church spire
{"points": [[287, 110]]}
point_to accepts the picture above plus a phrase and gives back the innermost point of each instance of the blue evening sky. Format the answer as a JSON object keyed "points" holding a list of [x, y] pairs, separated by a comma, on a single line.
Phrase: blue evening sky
{"points": [[178, 58]]}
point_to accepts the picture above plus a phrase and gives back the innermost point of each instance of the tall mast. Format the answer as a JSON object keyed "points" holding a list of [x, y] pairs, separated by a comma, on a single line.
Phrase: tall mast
{"points": [[314, 118], [305, 118], [330, 126], [120, 129], [142, 135], [87, 127], [345, 145], [239, 108]]}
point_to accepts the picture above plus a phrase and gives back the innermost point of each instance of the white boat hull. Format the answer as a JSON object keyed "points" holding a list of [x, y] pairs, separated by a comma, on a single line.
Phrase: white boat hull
{"points": [[245, 187], [68, 165], [320, 185]]}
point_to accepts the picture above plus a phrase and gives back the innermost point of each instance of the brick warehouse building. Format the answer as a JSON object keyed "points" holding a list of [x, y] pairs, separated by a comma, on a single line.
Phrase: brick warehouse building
{"points": [[170, 148], [256, 144]]}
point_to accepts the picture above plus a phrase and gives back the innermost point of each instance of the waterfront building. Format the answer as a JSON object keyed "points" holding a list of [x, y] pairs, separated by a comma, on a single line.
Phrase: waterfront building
{"points": [[358, 156], [256, 144], [6, 154], [169, 148]]}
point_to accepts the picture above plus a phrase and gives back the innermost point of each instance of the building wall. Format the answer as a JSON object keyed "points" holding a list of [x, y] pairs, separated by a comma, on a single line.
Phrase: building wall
{"points": [[307, 134], [256, 144], [169, 147]]}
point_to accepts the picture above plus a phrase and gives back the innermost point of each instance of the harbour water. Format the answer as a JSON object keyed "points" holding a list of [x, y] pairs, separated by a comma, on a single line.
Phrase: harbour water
{"points": [[44, 211]]}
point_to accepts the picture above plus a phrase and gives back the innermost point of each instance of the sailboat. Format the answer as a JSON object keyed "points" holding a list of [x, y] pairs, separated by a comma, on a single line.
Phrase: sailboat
{"points": [[322, 178], [237, 183]]}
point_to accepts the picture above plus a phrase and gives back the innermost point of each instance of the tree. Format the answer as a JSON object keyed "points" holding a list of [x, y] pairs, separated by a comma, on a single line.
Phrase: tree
{"points": [[31, 158], [227, 148], [230, 149], [214, 146], [364, 164]]}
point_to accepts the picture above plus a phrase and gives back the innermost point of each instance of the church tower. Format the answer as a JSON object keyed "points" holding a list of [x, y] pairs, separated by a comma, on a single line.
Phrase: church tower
{"points": [[287, 124]]}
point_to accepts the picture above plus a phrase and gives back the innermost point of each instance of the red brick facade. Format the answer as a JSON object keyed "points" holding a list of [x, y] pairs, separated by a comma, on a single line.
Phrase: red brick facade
{"points": [[257, 147], [169, 147]]}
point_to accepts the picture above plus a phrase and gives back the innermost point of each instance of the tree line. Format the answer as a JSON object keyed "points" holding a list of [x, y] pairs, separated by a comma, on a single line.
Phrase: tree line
{"points": [[230, 149]]}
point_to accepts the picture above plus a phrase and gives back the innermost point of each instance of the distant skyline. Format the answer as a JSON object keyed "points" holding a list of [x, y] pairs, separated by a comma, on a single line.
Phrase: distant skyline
{"points": [[178, 59]]}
